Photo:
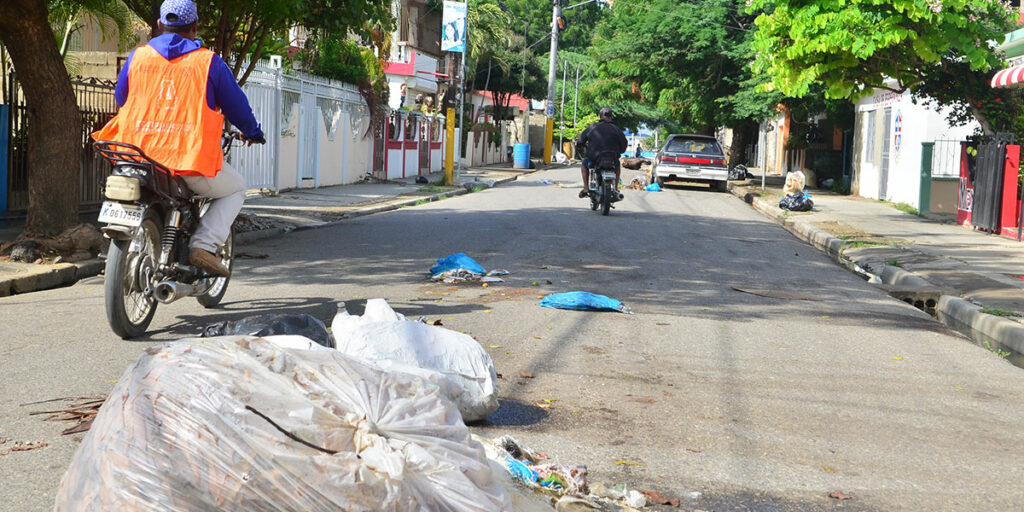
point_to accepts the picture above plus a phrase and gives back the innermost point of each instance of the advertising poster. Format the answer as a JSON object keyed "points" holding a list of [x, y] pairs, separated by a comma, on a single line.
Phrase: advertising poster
{"points": [[453, 27]]}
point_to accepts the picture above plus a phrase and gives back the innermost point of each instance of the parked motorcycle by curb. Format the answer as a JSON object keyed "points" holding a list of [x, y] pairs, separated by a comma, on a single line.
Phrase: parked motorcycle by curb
{"points": [[150, 216]]}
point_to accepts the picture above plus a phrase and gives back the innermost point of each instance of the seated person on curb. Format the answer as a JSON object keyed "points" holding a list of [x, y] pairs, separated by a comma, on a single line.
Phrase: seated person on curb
{"points": [[170, 95], [600, 136]]}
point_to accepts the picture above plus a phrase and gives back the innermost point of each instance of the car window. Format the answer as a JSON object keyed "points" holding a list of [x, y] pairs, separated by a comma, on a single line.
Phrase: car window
{"points": [[681, 145]]}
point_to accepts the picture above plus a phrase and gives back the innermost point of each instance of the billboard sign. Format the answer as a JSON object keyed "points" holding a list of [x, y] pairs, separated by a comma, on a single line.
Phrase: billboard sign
{"points": [[453, 27]]}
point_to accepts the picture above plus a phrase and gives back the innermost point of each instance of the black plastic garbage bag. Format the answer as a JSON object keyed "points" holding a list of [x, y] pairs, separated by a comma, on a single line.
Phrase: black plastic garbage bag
{"points": [[796, 203], [269, 325]]}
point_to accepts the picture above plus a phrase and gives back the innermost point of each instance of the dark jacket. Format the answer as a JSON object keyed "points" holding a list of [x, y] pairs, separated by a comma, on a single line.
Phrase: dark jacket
{"points": [[602, 136]]}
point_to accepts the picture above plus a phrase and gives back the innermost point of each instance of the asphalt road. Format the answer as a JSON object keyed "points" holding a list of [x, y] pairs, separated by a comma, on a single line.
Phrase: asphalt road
{"points": [[756, 403]]}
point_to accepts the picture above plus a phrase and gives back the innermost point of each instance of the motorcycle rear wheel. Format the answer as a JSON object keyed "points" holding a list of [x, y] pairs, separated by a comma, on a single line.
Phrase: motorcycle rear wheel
{"points": [[606, 198], [219, 287], [129, 274]]}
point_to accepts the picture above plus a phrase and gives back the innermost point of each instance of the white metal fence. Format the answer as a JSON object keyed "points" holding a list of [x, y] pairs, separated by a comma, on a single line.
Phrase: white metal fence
{"points": [[276, 96]]}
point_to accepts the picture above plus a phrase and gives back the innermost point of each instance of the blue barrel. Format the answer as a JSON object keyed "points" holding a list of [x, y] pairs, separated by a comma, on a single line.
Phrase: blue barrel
{"points": [[521, 156]]}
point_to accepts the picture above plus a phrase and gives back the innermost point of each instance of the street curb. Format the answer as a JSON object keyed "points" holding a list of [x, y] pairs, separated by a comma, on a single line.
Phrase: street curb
{"points": [[952, 311], [51, 276], [981, 327]]}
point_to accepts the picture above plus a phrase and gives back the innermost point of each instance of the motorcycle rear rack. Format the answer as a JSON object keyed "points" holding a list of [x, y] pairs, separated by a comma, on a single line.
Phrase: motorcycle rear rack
{"points": [[120, 153]]}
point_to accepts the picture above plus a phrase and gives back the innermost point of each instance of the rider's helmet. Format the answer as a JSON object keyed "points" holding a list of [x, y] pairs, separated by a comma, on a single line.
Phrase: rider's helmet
{"points": [[605, 112]]}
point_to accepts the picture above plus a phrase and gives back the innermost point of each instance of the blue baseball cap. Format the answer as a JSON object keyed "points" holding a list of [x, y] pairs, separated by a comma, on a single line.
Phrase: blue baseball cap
{"points": [[178, 13]]}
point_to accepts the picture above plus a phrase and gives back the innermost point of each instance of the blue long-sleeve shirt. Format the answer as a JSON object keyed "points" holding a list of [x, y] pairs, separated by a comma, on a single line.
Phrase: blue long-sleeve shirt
{"points": [[222, 91]]}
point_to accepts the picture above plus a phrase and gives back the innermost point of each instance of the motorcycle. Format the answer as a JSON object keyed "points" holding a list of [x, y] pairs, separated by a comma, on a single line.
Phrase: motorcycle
{"points": [[150, 215], [603, 189]]}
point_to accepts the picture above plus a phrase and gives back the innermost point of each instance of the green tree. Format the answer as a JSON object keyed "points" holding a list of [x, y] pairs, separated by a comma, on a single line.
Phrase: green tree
{"points": [[240, 32], [683, 65], [53, 117], [113, 17], [853, 46]]}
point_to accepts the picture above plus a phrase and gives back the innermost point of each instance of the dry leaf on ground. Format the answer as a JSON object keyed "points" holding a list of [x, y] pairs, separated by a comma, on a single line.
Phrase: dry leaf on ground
{"points": [[657, 498]]}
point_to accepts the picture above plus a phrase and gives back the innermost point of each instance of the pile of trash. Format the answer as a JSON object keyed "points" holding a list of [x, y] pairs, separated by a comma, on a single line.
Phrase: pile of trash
{"points": [[796, 198], [241, 423], [458, 268], [638, 183]]}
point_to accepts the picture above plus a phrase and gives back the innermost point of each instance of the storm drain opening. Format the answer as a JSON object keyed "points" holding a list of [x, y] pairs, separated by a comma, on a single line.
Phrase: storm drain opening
{"points": [[925, 298]]}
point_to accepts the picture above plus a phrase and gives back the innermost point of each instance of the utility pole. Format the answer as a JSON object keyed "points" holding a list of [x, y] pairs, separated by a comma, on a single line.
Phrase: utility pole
{"points": [[556, 12], [462, 96], [561, 108], [576, 98]]}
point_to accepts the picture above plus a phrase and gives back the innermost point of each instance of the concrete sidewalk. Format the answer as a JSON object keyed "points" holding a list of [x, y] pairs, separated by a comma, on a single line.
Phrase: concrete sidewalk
{"points": [[970, 280], [266, 216]]}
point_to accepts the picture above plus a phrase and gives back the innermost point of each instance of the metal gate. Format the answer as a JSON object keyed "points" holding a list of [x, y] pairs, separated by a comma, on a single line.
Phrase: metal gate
{"points": [[96, 104], [424, 146], [988, 182], [883, 175], [379, 141]]}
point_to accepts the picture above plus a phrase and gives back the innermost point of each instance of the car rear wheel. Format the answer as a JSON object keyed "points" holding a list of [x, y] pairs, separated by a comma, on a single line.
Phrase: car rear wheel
{"points": [[720, 186]]}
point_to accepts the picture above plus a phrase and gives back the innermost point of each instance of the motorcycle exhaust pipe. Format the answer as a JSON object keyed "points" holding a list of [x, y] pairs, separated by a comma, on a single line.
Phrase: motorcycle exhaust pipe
{"points": [[167, 292]]}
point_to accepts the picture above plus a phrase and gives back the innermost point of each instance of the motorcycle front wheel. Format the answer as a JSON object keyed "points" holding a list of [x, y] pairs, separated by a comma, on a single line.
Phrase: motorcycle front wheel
{"points": [[219, 285], [128, 285]]}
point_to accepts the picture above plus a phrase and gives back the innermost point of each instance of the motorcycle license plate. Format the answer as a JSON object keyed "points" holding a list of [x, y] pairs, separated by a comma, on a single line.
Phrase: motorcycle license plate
{"points": [[122, 214]]}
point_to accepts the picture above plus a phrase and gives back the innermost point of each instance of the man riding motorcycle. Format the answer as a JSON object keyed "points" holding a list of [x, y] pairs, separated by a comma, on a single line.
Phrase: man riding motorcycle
{"points": [[171, 93], [603, 135]]}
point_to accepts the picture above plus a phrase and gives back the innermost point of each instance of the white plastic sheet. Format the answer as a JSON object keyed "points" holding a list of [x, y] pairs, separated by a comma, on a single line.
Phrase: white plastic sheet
{"points": [[188, 427], [463, 371]]}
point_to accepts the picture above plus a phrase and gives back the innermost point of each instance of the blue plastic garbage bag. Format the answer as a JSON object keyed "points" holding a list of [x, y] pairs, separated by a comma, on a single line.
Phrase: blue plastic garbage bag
{"points": [[521, 471], [653, 187], [457, 261], [583, 301]]}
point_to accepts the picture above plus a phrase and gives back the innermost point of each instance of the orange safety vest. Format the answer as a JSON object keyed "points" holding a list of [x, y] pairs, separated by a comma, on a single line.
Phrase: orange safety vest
{"points": [[166, 114]]}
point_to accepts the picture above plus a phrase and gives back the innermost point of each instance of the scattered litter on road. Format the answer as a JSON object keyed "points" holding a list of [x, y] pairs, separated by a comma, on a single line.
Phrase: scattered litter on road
{"points": [[693, 495], [658, 499], [273, 325], [79, 410], [460, 368], [459, 267], [635, 499], [774, 294], [566, 485], [638, 183], [238, 423], [653, 187], [470, 185], [525, 374], [839, 496], [628, 463], [24, 446], [583, 301]]}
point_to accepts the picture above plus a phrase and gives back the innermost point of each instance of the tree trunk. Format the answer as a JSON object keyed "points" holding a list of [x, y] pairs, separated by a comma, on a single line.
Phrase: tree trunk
{"points": [[986, 127], [55, 145]]}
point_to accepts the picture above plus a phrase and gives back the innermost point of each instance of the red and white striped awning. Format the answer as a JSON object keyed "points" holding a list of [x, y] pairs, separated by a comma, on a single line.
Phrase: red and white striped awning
{"points": [[1009, 77]]}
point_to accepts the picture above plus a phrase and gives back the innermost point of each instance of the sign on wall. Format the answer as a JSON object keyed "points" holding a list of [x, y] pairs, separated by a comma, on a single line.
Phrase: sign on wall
{"points": [[897, 138], [453, 27]]}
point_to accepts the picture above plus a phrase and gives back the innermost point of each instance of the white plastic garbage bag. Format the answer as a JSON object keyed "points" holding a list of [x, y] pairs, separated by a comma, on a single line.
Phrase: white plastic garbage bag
{"points": [[239, 423], [467, 375]]}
